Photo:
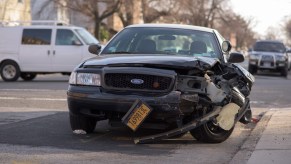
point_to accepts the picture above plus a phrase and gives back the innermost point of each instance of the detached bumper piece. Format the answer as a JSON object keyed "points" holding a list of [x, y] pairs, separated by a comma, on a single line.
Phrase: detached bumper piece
{"points": [[187, 127]]}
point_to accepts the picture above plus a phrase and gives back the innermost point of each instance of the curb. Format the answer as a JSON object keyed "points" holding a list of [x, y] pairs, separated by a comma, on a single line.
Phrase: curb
{"points": [[245, 151]]}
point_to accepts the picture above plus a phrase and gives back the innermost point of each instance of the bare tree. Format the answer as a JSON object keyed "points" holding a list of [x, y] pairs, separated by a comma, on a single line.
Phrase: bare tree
{"points": [[126, 12], [288, 28], [200, 12], [272, 34], [3, 6], [92, 9], [154, 10]]}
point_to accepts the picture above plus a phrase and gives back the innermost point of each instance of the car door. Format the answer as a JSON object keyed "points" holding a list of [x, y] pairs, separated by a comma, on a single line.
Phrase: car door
{"points": [[35, 50], [67, 50]]}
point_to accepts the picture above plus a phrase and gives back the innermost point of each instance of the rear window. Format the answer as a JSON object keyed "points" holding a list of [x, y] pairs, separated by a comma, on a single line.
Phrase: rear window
{"points": [[269, 47], [36, 36]]}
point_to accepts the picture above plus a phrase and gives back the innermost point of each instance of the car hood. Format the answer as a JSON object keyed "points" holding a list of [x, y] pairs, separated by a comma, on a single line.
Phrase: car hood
{"points": [[152, 60]]}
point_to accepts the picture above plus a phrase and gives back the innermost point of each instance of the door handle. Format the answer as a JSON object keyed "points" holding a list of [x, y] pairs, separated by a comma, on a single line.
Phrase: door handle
{"points": [[54, 52], [48, 52]]}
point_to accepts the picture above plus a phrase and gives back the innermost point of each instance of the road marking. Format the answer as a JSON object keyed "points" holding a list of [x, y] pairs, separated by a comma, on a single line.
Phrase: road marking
{"points": [[39, 99], [257, 102]]}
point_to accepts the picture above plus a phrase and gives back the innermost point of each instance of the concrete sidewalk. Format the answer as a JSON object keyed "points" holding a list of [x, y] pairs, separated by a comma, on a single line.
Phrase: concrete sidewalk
{"points": [[270, 141]]}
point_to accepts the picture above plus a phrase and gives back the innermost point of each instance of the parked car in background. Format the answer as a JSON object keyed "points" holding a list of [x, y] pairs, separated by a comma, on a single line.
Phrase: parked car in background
{"points": [[269, 55], [28, 50], [170, 77]]}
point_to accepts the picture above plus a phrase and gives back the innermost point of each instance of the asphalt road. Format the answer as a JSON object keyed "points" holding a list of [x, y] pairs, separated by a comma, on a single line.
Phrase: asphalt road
{"points": [[34, 128]]}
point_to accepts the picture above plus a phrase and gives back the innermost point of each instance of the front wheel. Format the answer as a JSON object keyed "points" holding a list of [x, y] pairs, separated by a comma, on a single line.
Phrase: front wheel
{"points": [[284, 72], [9, 71], [252, 69], [211, 133], [82, 123]]}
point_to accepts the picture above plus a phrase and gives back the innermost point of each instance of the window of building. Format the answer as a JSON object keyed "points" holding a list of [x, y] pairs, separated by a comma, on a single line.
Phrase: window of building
{"points": [[37, 36]]}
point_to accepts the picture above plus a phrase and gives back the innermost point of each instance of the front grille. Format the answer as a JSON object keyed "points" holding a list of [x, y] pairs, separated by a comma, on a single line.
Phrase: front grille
{"points": [[267, 58], [137, 82]]}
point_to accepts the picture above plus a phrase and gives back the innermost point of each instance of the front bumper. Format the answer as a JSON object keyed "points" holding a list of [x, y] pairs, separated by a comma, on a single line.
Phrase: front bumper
{"points": [[267, 65], [93, 101]]}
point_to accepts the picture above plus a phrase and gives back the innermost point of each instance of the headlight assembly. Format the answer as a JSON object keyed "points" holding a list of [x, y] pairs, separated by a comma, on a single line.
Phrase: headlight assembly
{"points": [[280, 58], [85, 79], [254, 56]]}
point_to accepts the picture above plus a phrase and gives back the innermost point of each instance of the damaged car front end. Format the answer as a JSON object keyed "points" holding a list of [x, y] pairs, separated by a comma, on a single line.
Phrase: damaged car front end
{"points": [[162, 77]]}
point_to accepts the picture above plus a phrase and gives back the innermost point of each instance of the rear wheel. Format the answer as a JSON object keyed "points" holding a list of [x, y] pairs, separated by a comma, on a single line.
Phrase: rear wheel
{"points": [[28, 76], [82, 123], [9, 71]]}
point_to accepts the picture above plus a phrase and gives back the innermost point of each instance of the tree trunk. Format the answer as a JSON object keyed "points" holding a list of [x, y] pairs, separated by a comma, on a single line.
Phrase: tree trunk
{"points": [[97, 28]]}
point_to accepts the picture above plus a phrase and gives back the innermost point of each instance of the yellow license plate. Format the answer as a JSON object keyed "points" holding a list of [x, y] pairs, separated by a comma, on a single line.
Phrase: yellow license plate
{"points": [[138, 115]]}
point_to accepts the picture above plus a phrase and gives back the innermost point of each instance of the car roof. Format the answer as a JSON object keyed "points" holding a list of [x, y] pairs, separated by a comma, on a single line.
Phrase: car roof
{"points": [[177, 26]]}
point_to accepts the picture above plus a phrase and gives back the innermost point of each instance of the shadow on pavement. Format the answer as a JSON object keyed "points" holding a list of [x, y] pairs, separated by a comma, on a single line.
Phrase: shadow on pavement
{"points": [[54, 131]]}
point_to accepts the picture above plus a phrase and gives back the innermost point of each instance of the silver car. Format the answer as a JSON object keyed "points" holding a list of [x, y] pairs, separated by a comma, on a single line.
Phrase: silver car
{"points": [[269, 55]]}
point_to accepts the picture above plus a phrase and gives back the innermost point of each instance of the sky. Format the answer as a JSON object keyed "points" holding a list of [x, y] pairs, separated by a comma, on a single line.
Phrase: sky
{"points": [[266, 13]]}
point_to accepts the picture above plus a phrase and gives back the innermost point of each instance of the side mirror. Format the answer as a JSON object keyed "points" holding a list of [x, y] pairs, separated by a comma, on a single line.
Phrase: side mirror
{"points": [[288, 51], [226, 46], [236, 57], [94, 49]]}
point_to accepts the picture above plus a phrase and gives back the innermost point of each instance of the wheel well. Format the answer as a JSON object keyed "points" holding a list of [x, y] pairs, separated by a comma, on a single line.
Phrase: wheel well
{"points": [[10, 61]]}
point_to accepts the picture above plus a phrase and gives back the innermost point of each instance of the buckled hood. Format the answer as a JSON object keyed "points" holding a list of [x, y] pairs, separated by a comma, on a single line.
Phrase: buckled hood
{"points": [[170, 61]]}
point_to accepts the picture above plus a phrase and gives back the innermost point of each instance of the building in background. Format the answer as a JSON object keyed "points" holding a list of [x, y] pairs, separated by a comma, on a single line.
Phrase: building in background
{"points": [[40, 10], [49, 10], [15, 10]]}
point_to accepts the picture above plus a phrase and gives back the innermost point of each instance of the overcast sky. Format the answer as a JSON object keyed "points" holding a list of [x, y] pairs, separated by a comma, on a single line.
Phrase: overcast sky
{"points": [[266, 13]]}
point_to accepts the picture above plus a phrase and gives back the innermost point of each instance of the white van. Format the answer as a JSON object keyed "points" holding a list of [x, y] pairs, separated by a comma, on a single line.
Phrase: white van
{"points": [[26, 51]]}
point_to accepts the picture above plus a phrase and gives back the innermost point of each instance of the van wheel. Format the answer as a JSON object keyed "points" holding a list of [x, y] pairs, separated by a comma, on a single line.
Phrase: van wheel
{"points": [[9, 71], [28, 76]]}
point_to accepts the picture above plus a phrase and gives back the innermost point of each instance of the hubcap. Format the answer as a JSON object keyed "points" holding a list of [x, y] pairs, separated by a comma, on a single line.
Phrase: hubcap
{"points": [[9, 71]]}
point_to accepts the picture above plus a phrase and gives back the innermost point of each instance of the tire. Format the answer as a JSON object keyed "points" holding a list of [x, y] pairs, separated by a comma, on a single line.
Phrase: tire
{"points": [[9, 71], [28, 76], [210, 133], [284, 72], [83, 123], [252, 69]]}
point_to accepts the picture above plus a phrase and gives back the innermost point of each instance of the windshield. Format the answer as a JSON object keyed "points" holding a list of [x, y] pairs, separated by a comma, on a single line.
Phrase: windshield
{"points": [[172, 41], [86, 36], [269, 47]]}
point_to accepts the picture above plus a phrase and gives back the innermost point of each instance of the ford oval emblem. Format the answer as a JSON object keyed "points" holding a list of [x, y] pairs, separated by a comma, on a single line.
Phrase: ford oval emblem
{"points": [[136, 81]]}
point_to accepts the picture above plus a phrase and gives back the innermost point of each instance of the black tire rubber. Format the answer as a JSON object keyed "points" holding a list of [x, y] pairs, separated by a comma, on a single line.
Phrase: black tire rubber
{"points": [[87, 124], [12, 64], [205, 133], [27, 76], [284, 72], [253, 70]]}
